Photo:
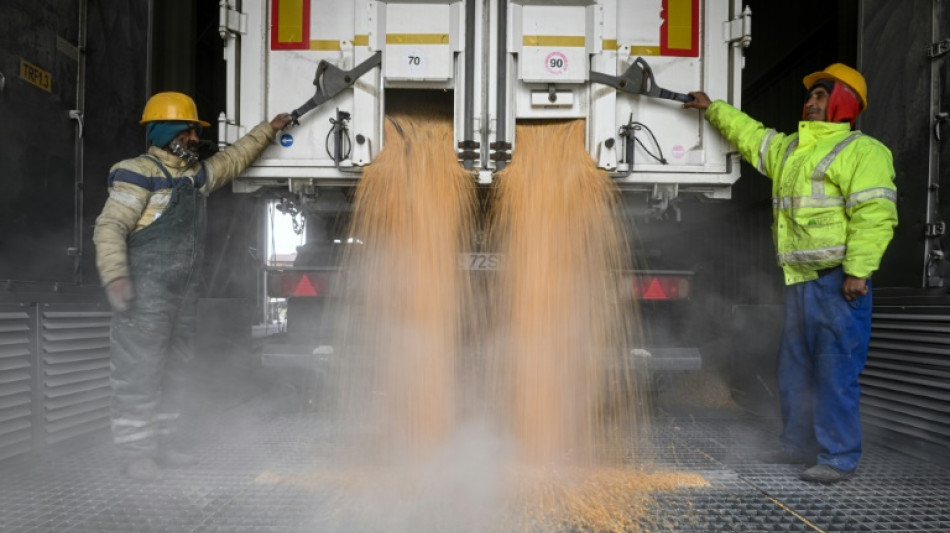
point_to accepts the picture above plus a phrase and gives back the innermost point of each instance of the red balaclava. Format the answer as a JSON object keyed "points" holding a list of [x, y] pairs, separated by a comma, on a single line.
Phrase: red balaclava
{"points": [[843, 105]]}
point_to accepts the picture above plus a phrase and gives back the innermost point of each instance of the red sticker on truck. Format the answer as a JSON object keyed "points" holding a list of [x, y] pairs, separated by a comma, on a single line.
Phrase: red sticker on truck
{"points": [[290, 25], [679, 32]]}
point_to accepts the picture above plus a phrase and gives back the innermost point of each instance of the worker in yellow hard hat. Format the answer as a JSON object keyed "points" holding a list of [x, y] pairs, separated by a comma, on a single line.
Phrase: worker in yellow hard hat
{"points": [[834, 205], [166, 116], [149, 244]]}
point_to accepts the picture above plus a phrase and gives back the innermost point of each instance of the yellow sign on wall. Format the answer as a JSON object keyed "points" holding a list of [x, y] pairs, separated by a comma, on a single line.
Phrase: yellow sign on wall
{"points": [[36, 76]]}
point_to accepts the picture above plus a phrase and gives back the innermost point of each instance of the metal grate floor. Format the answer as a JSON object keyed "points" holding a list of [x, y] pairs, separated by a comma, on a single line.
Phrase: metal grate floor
{"points": [[84, 492], [891, 492]]}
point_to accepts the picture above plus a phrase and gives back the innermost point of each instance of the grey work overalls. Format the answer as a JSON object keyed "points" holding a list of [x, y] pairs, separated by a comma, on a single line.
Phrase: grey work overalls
{"points": [[153, 341]]}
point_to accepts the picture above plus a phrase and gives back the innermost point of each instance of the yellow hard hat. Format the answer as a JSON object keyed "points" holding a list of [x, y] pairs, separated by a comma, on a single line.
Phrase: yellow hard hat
{"points": [[171, 106], [846, 75]]}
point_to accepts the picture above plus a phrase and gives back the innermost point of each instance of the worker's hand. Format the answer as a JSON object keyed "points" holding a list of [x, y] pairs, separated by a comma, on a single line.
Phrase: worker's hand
{"points": [[853, 288], [281, 121], [120, 294], [701, 101]]}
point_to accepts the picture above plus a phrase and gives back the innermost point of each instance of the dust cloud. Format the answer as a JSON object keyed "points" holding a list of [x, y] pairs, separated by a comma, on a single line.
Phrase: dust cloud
{"points": [[474, 401]]}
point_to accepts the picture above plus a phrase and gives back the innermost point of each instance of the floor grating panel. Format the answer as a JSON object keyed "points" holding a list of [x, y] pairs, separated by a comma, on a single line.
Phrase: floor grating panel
{"points": [[230, 490]]}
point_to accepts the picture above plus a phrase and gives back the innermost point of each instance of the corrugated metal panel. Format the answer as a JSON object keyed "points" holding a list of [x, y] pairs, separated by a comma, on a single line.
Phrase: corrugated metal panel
{"points": [[906, 383], [75, 346], [16, 379]]}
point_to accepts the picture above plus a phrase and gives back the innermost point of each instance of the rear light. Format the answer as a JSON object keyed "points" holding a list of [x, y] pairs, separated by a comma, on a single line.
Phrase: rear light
{"points": [[298, 284], [660, 287]]}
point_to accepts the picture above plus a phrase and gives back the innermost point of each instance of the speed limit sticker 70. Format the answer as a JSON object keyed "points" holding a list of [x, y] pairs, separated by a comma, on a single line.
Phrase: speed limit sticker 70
{"points": [[416, 62], [556, 63]]}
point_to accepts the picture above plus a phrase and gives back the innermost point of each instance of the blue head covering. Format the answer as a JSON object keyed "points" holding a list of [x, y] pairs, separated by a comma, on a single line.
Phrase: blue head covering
{"points": [[160, 133]]}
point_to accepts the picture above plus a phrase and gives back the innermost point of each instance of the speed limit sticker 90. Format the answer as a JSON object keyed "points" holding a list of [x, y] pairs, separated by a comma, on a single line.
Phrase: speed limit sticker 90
{"points": [[556, 63]]}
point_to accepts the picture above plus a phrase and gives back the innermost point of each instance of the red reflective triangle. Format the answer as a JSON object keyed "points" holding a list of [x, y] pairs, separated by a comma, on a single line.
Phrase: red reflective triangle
{"points": [[304, 287], [654, 291]]}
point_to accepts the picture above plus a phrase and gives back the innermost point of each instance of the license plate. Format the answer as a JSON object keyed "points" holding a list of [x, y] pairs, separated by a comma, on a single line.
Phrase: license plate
{"points": [[480, 261]]}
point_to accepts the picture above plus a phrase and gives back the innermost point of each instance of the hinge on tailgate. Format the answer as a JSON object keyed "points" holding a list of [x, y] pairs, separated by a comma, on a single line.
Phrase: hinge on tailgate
{"points": [[939, 48], [231, 21], [228, 131], [738, 31]]}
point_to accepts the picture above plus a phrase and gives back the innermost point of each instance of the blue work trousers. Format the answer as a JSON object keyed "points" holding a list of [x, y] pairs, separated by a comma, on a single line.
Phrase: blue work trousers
{"points": [[824, 349]]}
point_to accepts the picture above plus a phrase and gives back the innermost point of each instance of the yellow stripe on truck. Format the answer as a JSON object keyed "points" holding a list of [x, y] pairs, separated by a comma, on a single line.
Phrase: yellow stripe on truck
{"points": [[611, 44], [644, 50], [417, 38], [569, 41], [324, 44]]}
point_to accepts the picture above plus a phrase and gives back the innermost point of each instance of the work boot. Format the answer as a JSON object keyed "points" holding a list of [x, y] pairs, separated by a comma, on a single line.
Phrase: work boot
{"points": [[170, 458], [825, 474], [142, 469]]}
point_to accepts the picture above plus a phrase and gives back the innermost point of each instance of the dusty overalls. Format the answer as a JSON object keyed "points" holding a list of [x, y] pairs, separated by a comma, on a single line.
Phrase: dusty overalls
{"points": [[153, 341]]}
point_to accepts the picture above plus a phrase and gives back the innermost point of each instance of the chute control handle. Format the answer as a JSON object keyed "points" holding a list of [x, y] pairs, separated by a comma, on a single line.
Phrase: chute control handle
{"points": [[331, 81], [638, 79]]}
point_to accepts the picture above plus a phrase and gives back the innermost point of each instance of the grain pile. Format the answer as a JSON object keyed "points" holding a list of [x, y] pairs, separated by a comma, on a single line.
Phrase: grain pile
{"points": [[612, 500], [590, 499], [701, 388]]}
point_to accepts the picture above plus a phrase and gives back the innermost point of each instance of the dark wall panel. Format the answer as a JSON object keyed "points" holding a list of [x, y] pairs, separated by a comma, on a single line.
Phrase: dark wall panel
{"points": [[38, 162], [897, 70], [942, 80], [115, 96], [36, 165]]}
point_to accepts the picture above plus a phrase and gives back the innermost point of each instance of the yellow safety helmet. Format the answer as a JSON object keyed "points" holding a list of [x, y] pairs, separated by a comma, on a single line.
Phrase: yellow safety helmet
{"points": [[171, 106], [846, 75]]}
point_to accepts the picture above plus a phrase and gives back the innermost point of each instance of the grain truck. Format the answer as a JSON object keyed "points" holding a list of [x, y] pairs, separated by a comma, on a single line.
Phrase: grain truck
{"points": [[74, 78], [619, 65]]}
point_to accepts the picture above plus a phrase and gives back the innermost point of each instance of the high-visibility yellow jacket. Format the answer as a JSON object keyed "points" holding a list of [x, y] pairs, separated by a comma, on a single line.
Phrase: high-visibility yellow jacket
{"points": [[833, 193]]}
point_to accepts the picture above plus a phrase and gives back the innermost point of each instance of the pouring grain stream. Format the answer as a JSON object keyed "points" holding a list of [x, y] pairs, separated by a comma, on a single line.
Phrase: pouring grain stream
{"points": [[405, 294], [556, 322], [562, 379]]}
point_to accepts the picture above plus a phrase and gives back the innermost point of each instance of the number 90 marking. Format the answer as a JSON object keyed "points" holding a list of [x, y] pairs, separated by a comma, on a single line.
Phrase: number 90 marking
{"points": [[556, 63]]}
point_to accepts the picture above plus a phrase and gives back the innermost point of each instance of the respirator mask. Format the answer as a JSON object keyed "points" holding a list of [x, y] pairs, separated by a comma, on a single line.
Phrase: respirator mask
{"points": [[188, 154]]}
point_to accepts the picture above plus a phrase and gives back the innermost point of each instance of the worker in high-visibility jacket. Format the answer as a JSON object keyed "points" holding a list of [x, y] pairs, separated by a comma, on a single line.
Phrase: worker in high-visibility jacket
{"points": [[834, 204], [149, 244]]}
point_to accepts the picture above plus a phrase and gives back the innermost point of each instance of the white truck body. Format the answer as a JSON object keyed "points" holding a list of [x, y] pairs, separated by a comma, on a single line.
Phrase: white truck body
{"points": [[273, 48]]}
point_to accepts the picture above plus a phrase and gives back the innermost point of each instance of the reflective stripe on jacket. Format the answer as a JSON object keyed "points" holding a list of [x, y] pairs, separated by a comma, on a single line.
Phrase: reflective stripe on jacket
{"points": [[833, 193]]}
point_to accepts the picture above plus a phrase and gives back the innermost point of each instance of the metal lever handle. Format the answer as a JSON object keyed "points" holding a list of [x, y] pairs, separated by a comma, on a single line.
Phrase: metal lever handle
{"points": [[679, 97], [638, 79], [331, 81]]}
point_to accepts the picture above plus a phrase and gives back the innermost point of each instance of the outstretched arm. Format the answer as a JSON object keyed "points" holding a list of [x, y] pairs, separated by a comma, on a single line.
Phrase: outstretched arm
{"points": [[227, 164], [762, 147]]}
